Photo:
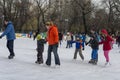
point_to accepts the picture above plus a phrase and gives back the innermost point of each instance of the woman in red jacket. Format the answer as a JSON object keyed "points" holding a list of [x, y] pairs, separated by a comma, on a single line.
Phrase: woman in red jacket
{"points": [[107, 40]]}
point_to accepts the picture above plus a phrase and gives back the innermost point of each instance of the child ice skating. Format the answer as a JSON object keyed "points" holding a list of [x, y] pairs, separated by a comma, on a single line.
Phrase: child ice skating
{"points": [[78, 48], [40, 49], [95, 46], [68, 39], [106, 41]]}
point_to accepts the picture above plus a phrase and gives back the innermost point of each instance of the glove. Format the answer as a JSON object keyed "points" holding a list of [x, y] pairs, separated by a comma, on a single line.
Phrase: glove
{"points": [[83, 48], [0, 37], [86, 44]]}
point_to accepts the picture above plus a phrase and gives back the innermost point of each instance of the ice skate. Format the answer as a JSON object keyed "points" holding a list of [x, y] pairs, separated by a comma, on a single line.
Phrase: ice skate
{"points": [[91, 61], [57, 66], [107, 64], [38, 62], [10, 56], [95, 62]]}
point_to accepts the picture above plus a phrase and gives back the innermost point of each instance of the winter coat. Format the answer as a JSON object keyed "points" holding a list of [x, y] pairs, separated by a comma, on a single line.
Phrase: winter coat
{"points": [[60, 36], [78, 44], [94, 42], [118, 39], [40, 43], [52, 36], [106, 43], [83, 38], [68, 38], [9, 32]]}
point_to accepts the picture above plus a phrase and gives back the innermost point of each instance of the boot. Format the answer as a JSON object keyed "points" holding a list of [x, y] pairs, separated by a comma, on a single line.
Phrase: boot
{"points": [[91, 61], [10, 56], [95, 62], [39, 61]]}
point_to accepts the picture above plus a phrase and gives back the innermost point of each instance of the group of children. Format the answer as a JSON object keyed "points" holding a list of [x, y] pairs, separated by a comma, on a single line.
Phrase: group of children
{"points": [[94, 42]]}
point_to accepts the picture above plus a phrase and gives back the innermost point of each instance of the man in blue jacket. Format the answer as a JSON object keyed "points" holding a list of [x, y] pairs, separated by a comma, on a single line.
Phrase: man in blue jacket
{"points": [[10, 35]]}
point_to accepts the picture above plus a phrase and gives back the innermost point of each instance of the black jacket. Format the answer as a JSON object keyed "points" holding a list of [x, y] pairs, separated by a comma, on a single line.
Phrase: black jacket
{"points": [[40, 43], [118, 40], [94, 43]]}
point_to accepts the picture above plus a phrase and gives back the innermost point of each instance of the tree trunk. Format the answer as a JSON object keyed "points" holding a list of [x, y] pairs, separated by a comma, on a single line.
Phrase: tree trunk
{"points": [[84, 21]]}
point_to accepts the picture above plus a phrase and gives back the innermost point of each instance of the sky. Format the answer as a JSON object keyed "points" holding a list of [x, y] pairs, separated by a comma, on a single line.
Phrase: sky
{"points": [[96, 2]]}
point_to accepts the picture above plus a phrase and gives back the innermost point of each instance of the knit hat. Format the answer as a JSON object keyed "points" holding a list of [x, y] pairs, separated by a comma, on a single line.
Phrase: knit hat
{"points": [[104, 31], [39, 37]]}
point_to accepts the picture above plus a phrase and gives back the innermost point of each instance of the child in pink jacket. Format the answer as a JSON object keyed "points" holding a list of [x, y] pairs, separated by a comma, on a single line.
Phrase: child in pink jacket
{"points": [[106, 41]]}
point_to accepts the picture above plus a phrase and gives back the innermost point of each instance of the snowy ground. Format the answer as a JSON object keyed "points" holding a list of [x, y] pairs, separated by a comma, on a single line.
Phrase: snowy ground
{"points": [[22, 67]]}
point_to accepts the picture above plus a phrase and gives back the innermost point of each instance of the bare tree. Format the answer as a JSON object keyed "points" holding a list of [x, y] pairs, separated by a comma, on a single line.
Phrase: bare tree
{"points": [[17, 11], [85, 7], [41, 8], [112, 7]]}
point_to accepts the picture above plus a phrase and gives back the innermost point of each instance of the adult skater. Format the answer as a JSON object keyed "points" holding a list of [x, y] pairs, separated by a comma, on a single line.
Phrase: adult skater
{"points": [[10, 33], [53, 40]]}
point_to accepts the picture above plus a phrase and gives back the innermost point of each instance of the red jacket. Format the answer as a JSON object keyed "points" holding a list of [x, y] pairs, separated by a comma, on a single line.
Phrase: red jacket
{"points": [[107, 43], [52, 35]]}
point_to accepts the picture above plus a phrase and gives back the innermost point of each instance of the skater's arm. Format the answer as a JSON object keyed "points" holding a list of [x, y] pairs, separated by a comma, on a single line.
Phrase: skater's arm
{"points": [[7, 30]]}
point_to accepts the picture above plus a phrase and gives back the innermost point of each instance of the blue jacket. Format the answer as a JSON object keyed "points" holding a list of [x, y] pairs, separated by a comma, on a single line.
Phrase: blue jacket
{"points": [[78, 44], [9, 32], [83, 37]]}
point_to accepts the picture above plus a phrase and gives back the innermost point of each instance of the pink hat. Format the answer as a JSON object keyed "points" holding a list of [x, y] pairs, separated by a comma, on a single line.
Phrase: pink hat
{"points": [[104, 31]]}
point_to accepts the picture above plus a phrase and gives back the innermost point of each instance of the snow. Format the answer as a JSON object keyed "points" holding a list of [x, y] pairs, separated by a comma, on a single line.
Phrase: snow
{"points": [[23, 66]]}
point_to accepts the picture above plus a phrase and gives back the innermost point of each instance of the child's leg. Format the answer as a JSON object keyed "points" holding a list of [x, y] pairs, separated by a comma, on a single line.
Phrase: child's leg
{"points": [[67, 44], [95, 54], [92, 55], [106, 54], [97, 57], [40, 55], [81, 55], [75, 54]]}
